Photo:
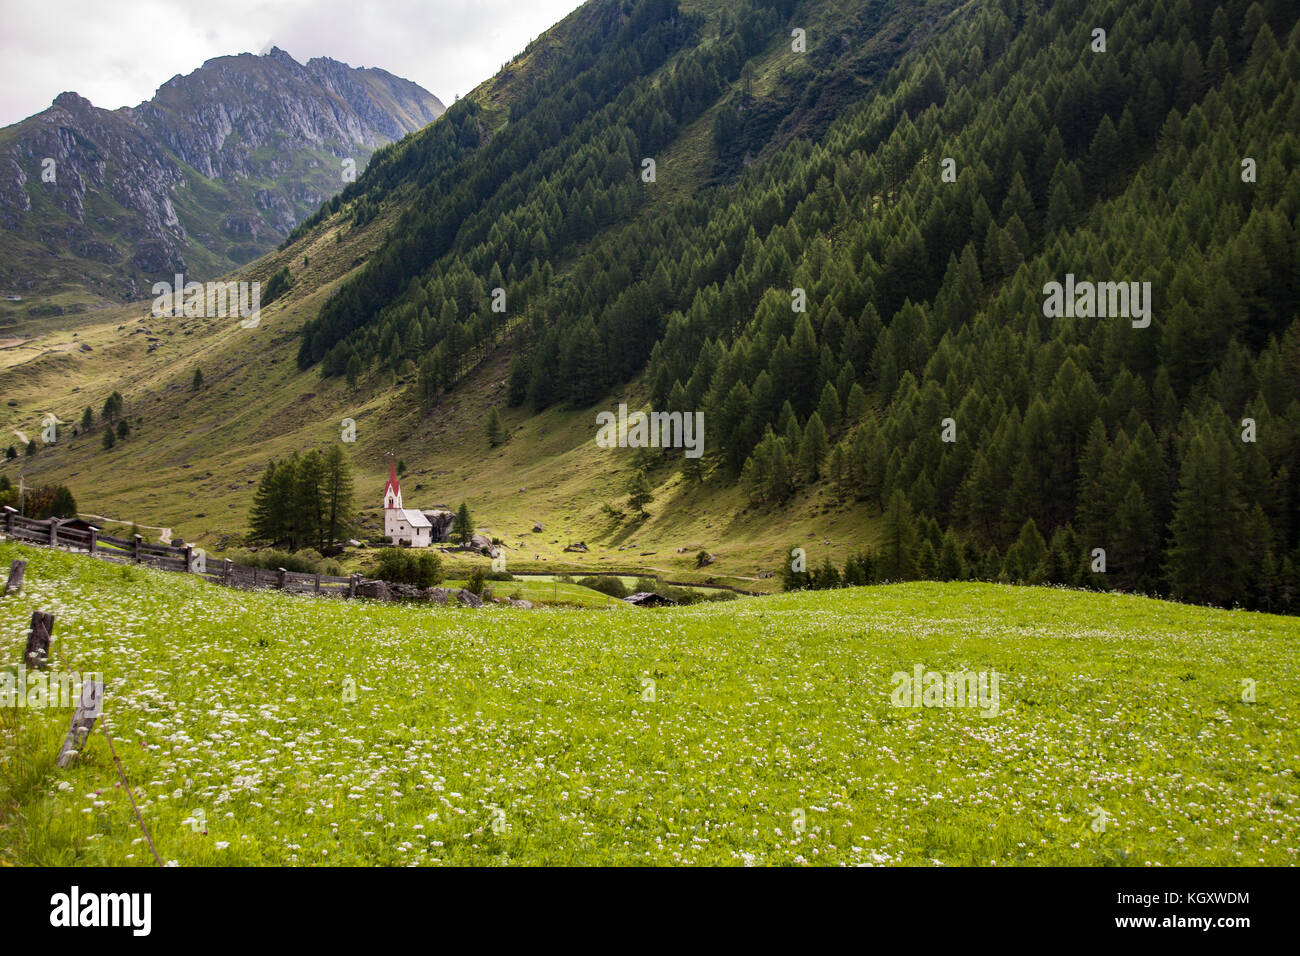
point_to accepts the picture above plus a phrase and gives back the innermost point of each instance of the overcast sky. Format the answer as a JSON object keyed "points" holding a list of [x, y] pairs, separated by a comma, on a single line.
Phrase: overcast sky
{"points": [[118, 52]]}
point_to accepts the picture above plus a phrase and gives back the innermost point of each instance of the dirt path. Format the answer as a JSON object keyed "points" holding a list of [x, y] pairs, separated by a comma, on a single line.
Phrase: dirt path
{"points": [[164, 534]]}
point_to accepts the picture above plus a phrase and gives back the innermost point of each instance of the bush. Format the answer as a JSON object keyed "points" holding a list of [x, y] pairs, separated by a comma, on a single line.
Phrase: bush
{"points": [[477, 580], [307, 561], [49, 501], [499, 576], [403, 566], [612, 586]]}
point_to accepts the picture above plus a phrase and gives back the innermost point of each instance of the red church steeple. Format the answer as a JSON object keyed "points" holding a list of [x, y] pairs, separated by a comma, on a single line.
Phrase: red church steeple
{"points": [[392, 490]]}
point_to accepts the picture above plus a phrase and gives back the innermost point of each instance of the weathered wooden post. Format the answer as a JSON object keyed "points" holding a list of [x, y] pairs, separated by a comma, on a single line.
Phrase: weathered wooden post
{"points": [[9, 521], [317, 591], [17, 570], [189, 559], [280, 575], [54, 532], [88, 709], [254, 577], [225, 571], [139, 547], [38, 640], [94, 540], [352, 584]]}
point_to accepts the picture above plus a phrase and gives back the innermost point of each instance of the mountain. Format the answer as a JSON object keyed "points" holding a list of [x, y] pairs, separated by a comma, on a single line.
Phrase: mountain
{"points": [[844, 259], [212, 172]]}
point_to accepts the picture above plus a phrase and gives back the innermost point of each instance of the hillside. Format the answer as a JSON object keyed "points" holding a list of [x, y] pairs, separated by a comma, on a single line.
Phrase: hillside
{"points": [[257, 728], [213, 171], [787, 180]]}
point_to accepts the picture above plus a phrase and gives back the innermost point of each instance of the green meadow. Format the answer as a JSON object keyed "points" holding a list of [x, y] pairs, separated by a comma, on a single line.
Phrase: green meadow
{"points": [[262, 728]]}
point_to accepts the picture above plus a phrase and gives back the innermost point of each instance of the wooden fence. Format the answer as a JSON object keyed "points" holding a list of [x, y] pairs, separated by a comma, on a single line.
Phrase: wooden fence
{"points": [[60, 533]]}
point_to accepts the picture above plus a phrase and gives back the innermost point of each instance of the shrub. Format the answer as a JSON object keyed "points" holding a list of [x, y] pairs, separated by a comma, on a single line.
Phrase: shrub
{"points": [[306, 561], [612, 586], [403, 566], [476, 581]]}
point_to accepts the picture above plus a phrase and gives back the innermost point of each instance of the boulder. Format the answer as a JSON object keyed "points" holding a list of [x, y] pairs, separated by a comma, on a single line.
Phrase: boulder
{"points": [[469, 598], [481, 542], [519, 603], [354, 543], [377, 590], [439, 595], [581, 546], [537, 528]]}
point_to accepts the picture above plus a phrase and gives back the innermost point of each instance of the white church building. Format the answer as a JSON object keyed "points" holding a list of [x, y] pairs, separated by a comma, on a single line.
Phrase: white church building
{"points": [[404, 524]]}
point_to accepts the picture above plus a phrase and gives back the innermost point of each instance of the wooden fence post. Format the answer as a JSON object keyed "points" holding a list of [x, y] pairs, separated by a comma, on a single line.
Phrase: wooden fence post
{"points": [[280, 575], [352, 585], [94, 540], [225, 571], [139, 542], [9, 521], [17, 570], [189, 559], [88, 709], [38, 640], [54, 532], [317, 584]]}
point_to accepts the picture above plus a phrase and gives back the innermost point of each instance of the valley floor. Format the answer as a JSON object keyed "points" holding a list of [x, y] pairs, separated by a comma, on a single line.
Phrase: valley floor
{"points": [[262, 728]]}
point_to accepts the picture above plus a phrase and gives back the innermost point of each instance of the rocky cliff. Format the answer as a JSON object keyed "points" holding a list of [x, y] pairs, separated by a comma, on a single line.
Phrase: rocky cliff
{"points": [[210, 173]]}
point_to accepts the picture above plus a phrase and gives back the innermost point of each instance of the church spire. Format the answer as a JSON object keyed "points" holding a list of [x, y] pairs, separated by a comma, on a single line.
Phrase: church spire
{"points": [[392, 490]]}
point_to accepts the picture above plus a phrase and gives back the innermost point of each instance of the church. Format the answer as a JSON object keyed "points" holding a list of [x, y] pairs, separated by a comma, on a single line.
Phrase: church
{"points": [[410, 527]]}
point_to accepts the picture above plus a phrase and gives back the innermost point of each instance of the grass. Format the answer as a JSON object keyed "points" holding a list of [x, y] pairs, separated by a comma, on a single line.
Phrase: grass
{"points": [[502, 736], [547, 592]]}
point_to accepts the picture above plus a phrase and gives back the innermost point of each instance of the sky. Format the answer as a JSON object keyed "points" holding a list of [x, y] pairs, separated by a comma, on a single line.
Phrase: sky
{"points": [[118, 52]]}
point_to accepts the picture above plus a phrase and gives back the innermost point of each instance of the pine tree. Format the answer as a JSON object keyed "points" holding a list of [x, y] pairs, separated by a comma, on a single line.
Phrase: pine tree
{"points": [[813, 449], [338, 493], [951, 567], [197, 383], [268, 519], [462, 526], [308, 502], [1025, 558], [639, 492], [828, 409], [1206, 557], [898, 554], [108, 442], [496, 431], [112, 408], [87, 419], [858, 405]]}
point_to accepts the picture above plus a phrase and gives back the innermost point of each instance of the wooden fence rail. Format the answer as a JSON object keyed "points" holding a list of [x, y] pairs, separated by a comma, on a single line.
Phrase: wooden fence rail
{"points": [[57, 533]]}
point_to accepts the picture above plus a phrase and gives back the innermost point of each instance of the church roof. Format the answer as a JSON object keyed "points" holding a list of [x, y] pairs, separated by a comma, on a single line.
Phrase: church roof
{"points": [[415, 518]]}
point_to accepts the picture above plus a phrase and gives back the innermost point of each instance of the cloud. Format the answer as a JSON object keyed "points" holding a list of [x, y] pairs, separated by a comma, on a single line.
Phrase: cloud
{"points": [[118, 53]]}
